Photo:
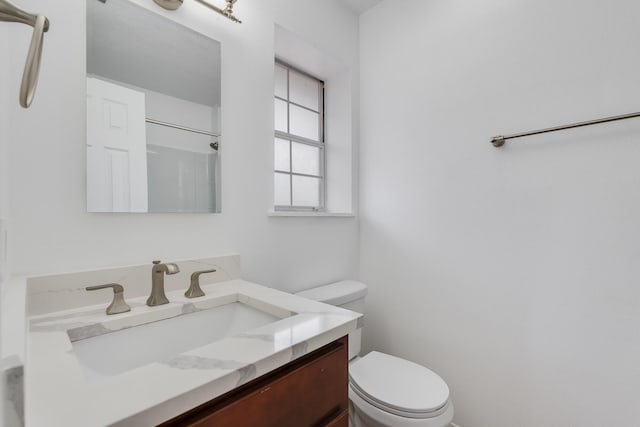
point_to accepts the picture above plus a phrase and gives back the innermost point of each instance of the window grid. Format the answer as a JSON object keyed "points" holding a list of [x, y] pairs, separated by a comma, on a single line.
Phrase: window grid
{"points": [[291, 138]]}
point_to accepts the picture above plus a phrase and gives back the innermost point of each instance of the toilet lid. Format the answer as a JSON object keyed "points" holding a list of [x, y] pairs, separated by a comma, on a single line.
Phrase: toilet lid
{"points": [[403, 386]]}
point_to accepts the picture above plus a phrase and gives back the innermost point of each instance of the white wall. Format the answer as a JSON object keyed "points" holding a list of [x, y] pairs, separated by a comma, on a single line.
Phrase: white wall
{"points": [[52, 232], [511, 272]]}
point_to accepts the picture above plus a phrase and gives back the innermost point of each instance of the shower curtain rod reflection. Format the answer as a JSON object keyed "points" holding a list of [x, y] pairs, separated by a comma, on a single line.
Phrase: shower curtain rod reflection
{"points": [[499, 141], [188, 129]]}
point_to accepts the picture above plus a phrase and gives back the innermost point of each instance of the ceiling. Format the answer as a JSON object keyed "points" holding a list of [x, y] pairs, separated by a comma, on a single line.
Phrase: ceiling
{"points": [[360, 6]]}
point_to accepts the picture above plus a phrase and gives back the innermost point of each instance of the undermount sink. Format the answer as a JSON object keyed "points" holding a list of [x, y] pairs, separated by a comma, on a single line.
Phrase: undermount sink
{"points": [[117, 352]]}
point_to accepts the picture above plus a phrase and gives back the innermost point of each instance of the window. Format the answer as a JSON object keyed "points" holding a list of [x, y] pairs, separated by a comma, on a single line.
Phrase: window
{"points": [[299, 166]]}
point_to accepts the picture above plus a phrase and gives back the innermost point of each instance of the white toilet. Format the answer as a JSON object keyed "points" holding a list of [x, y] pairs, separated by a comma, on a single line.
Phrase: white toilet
{"points": [[384, 390]]}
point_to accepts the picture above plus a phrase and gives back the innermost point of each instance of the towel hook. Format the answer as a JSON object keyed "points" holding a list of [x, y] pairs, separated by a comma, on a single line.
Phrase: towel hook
{"points": [[40, 24]]}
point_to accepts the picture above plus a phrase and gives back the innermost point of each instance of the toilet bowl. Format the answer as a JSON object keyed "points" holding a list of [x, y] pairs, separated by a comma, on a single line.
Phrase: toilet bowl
{"points": [[385, 390]]}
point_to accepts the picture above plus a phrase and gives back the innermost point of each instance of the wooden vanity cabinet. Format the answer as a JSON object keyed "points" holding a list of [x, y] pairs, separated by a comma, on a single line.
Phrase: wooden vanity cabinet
{"points": [[311, 391]]}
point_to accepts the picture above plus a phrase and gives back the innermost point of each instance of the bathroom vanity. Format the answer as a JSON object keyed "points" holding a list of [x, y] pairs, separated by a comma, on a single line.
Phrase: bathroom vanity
{"points": [[243, 354], [311, 391]]}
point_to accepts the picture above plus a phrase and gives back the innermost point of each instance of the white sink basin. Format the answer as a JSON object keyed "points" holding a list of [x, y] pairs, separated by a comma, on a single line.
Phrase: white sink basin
{"points": [[121, 351]]}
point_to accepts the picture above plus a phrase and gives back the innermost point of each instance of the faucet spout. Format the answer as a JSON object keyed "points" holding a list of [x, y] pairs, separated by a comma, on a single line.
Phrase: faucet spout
{"points": [[171, 268], [158, 272]]}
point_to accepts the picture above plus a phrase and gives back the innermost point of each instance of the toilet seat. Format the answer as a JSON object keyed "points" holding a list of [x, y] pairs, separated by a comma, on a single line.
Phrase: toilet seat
{"points": [[363, 414], [398, 386]]}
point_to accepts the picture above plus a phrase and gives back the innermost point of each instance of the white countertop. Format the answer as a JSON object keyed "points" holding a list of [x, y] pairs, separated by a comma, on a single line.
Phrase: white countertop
{"points": [[13, 311], [59, 393], [12, 355]]}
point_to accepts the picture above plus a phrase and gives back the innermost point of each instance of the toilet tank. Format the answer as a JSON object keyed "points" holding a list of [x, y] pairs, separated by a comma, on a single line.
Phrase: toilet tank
{"points": [[347, 294]]}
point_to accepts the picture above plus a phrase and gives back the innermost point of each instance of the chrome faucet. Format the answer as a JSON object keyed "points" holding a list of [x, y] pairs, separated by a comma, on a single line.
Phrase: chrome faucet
{"points": [[158, 271]]}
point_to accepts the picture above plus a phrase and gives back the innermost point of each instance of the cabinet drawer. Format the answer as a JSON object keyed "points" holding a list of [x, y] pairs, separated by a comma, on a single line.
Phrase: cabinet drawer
{"points": [[301, 394], [341, 421]]}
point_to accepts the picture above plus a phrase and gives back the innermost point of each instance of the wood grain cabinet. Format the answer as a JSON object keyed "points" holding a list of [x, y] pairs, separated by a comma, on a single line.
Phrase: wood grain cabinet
{"points": [[311, 391]]}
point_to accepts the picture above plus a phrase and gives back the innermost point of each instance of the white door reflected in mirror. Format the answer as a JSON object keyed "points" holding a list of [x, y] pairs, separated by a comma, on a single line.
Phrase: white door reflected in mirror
{"points": [[116, 148]]}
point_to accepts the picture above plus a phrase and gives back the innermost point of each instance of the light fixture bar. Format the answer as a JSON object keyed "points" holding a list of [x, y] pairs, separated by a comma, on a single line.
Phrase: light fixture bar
{"points": [[226, 12]]}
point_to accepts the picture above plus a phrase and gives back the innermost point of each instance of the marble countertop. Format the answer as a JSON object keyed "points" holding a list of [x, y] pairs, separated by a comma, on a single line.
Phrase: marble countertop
{"points": [[12, 349], [60, 393]]}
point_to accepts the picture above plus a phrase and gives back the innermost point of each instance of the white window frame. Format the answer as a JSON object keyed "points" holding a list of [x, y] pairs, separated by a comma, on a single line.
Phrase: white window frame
{"points": [[320, 144]]}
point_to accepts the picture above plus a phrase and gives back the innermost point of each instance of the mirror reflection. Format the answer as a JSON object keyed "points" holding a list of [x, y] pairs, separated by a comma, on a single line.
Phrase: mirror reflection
{"points": [[153, 113]]}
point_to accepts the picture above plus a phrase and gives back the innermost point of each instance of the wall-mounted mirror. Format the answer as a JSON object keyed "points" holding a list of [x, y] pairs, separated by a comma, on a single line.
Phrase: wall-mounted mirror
{"points": [[153, 113]]}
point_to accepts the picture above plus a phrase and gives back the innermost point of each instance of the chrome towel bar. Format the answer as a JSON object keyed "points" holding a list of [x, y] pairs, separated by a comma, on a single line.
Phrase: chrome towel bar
{"points": [[40, 24], [499, 141]]}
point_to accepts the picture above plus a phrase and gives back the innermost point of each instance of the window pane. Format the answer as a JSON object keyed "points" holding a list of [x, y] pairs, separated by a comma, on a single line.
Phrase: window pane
{"points": [[282, 193], [281, 82], [282, 155], [304, 90], [281, 116], [304, 123], [306, 191], [306, 159]]}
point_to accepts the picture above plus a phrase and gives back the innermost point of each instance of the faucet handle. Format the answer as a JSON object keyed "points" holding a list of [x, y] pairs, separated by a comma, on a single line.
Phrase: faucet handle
{"points": [[195, 290], [118, 305]]}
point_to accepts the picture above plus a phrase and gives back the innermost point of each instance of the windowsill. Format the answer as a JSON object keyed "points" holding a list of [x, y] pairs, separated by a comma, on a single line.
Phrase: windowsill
{"points": [[273, 213]]}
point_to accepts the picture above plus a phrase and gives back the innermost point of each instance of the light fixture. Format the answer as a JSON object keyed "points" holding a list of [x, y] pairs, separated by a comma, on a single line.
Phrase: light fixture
{"points": [[227, 11]]}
